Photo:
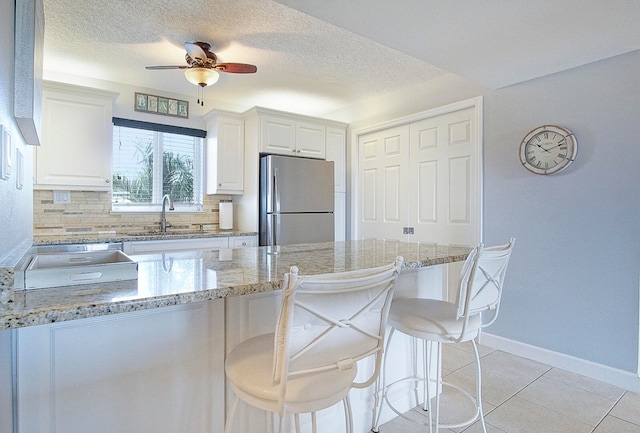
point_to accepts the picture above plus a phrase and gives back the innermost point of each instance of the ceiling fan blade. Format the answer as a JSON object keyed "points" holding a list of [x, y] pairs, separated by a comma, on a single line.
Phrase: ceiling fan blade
{"points": [[195, 51], [166, 67], [235, 68]]}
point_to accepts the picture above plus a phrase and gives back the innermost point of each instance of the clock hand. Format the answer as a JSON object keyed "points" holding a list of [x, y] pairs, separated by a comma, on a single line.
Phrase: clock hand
{"points": [[540, 146]]}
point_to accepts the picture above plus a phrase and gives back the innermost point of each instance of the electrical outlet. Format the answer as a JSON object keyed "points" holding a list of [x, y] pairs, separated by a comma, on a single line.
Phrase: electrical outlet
{"points": [[407, 230], [61, 197]]}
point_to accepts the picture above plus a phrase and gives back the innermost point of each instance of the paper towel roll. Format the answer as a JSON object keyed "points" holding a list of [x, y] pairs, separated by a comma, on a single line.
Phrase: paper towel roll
{"points": [[226, 215]]}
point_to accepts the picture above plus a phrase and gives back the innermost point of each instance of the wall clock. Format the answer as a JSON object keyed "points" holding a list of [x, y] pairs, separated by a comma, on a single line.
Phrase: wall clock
{"points": [[548, 149]]}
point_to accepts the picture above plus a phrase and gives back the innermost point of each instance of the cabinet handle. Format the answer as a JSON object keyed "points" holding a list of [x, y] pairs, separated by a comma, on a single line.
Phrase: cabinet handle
{"points": [[244, 244], [219, 184], [108, 180]]}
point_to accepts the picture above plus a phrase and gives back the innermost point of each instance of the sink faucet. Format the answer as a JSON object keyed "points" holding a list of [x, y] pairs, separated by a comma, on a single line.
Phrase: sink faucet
{"points": [[163, 222]]}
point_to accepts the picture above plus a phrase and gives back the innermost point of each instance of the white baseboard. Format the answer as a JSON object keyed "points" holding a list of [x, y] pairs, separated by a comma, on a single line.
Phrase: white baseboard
{"points": [[603, 373]]}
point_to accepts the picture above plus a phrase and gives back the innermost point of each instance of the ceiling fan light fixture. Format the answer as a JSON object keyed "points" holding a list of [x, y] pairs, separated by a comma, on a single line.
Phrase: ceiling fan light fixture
{"points": [[202, 76]]}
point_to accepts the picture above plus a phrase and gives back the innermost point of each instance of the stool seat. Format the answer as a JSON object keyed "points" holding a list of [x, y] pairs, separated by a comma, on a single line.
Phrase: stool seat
{"points": [[249, 368], [327, 323], [433, 320]]}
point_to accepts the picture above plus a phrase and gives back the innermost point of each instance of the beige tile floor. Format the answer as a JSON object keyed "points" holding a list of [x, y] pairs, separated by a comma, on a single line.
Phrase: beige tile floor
{"points": [[523, 396]]}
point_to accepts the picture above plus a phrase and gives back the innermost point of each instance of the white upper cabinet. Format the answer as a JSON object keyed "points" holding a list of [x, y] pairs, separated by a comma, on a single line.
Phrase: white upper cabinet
{"points": [[224, 153], [288, 135], [277, 132], [76, 138], [310, 140], [278, 135]]}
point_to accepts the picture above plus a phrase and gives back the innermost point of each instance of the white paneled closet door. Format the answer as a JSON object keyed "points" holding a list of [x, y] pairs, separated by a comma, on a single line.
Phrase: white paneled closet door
{"points": [[383, 180], [423, 173], [444, 190]]}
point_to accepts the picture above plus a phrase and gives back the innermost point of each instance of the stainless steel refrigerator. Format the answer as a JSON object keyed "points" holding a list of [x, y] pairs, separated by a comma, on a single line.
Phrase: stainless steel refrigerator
{"points": [[296, 200]]}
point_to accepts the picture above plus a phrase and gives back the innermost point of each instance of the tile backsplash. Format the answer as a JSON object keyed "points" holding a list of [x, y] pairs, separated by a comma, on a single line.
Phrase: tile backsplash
{"points": [[90, 212]]}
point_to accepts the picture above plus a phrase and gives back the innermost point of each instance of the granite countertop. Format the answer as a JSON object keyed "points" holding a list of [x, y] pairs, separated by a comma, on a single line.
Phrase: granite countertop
{"points": [[110, 237], [183, 277]]}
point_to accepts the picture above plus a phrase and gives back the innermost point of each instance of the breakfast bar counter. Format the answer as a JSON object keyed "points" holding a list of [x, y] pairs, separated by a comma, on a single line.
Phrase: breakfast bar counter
{"points": [[148, 354], [175, 278]]}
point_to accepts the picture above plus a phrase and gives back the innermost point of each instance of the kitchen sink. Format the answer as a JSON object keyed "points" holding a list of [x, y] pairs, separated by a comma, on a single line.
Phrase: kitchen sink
{"points": [[69, 268]]}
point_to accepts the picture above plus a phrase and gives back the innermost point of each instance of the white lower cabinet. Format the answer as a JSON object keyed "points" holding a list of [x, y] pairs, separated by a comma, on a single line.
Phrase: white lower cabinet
{"points": [[192, 244], [159, 370], [243, 241]]}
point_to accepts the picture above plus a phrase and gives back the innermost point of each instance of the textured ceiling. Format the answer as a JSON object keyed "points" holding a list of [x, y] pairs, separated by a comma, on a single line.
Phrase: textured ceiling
{"points": [[495, 43], [323, 55], [304, 64]]}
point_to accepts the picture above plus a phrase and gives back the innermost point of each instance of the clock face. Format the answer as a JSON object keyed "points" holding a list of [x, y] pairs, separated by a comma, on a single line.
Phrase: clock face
{"points": [[548, 149]]}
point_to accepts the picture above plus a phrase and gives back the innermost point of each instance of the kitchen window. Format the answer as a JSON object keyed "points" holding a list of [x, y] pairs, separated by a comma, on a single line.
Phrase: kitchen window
{"points": [[151, 160]]}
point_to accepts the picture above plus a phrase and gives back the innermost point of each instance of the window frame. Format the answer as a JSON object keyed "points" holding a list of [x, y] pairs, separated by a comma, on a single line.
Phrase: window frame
{"points": [[157, 196]]}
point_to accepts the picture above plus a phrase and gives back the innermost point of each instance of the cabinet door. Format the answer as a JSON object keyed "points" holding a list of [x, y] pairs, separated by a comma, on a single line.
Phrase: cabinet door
{"points": [[159, 370], [161, 246], [278, 135], [243, 241], [336, 152], [310, 140], [76, 140], [340, 216], [225, 155]]}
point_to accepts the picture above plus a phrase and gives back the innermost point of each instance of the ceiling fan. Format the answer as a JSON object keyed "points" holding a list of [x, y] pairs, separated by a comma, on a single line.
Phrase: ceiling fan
{"points": [[202, 66]]}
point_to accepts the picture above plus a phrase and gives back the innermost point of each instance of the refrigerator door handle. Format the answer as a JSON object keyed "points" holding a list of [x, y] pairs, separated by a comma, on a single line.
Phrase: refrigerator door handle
{"points": [[276, 195], [275, 229], [272, 229]]}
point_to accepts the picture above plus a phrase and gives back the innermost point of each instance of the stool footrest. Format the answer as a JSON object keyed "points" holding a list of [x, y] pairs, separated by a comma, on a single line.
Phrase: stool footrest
{"points": [[466, 394]]}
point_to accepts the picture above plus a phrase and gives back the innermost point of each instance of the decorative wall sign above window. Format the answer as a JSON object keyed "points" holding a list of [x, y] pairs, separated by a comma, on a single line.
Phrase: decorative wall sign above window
{"points": [[160, 105]]}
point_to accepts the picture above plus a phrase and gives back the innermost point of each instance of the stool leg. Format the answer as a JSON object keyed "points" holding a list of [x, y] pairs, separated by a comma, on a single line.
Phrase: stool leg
{"points": [[348, 415], [425, 373], [227, 425], [479, 386], [381, 386], [314, 423], [438, 383], [427, 397]]}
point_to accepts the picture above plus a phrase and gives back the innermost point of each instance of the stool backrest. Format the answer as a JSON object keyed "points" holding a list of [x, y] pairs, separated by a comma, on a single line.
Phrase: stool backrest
{"points": [[331, 321], [482, 280]]}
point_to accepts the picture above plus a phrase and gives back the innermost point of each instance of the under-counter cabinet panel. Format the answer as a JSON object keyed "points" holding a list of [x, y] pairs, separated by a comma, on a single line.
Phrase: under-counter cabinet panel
{"points": [[247, 317], [224, 153], [163, 246], [243, 241], [77, 136], [158, 371]]}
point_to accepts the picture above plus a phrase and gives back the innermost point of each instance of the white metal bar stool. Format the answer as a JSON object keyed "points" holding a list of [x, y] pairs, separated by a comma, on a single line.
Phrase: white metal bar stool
{"points": [[327, 323], [435, 322]]}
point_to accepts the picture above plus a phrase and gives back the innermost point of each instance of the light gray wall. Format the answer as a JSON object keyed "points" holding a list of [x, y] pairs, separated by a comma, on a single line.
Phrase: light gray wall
{"points": [[573, 282], [16, 206]]}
